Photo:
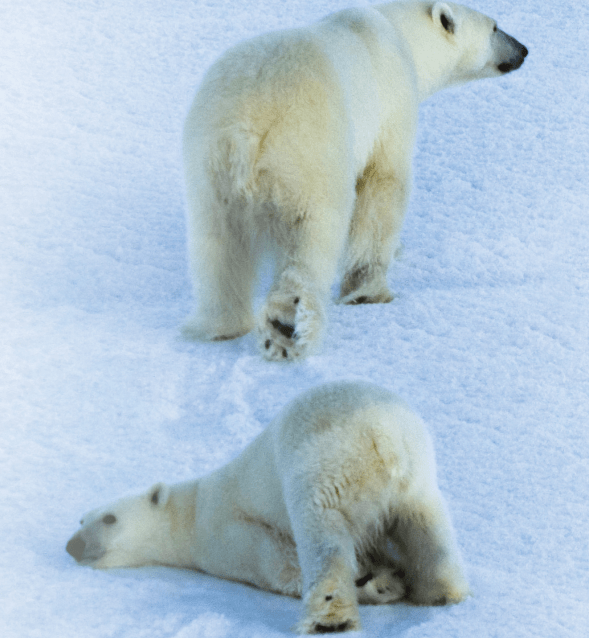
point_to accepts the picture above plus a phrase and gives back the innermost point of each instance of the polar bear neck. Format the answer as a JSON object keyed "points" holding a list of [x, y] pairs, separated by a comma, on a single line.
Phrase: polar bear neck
{"points": [[434, 57]]}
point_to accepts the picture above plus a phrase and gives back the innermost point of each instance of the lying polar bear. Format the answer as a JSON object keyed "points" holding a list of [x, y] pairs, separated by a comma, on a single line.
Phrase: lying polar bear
{"points": [[301, 141], [336, 500]]}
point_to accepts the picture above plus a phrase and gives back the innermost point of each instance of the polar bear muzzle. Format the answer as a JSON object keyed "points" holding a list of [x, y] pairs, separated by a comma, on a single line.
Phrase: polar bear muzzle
{"points": [[75, 547], [84, 545], [82, 551], [510, 52]]}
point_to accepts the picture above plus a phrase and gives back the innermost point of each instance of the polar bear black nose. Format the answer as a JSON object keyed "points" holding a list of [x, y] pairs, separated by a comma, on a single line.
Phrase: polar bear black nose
{"points": [[75, 547], [515, 53]]}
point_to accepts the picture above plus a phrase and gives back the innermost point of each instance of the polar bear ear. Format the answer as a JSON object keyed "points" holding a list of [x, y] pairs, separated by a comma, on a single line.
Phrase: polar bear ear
{"points": [[442, 14], [159, 494]]}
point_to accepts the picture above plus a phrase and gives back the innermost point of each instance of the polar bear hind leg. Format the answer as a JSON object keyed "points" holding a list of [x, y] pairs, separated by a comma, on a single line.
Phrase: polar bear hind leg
{"points": [[292, 318], [433, 568], [224, 265], [328, 562], [310, 245], [327, 555], [380, 586]]}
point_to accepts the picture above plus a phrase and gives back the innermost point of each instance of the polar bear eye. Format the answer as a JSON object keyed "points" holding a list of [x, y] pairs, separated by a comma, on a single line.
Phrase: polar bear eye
{"points": [[109, 519], [495, 28]]}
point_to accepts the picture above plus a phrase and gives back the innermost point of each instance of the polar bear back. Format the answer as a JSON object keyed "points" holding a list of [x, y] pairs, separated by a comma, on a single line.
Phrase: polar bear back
{"points": [[290, 90]]}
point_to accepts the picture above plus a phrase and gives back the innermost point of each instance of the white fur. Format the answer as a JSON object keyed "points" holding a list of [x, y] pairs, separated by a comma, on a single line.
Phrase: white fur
{"points": [[299, 143], [341, 486]]}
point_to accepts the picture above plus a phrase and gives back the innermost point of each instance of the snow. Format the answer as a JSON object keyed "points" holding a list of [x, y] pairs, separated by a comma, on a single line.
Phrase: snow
{"points": [[487, 338]]}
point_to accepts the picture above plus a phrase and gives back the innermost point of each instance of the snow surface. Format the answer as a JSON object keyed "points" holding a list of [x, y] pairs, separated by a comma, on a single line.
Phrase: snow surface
{"points": [[487, 338]]}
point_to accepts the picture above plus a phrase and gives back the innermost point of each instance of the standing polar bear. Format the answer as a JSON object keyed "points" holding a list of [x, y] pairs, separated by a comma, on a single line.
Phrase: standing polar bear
{"points": [[336, 500], [299, 144]]}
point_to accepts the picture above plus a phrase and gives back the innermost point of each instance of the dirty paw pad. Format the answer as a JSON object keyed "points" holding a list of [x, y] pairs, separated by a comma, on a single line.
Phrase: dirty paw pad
{"points": [[331, 629], [289, 327], [284, 329], [280, 342]]}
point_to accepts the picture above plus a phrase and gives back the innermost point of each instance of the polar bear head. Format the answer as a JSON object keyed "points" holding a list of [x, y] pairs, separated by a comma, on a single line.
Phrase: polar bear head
{"points": [[130, 532], [452, 44], [484, 50]]}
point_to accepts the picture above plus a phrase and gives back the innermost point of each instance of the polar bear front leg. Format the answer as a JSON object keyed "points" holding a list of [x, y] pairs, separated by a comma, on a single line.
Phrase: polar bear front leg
{"points": [[382, 193], [249, 549]]}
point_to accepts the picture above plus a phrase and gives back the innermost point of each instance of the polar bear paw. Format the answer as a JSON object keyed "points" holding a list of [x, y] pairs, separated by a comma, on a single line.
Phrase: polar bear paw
{"points": [[440, 592], [290, 326], [365, 284], [383, 586], [330, 613], [202, 329]]}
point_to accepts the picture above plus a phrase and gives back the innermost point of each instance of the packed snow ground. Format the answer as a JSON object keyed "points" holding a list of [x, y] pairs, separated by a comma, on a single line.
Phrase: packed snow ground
{"points": [[99, 396]]}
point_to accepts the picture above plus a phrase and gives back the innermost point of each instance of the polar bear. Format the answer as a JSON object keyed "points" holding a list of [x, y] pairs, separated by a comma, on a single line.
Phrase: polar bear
{"points": [[299, 144], [336, 501]]}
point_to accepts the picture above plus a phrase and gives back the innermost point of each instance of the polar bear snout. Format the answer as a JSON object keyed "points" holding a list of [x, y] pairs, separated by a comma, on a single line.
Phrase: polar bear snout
{"points": [[511, 52], [75, 547], [82, 551]]}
